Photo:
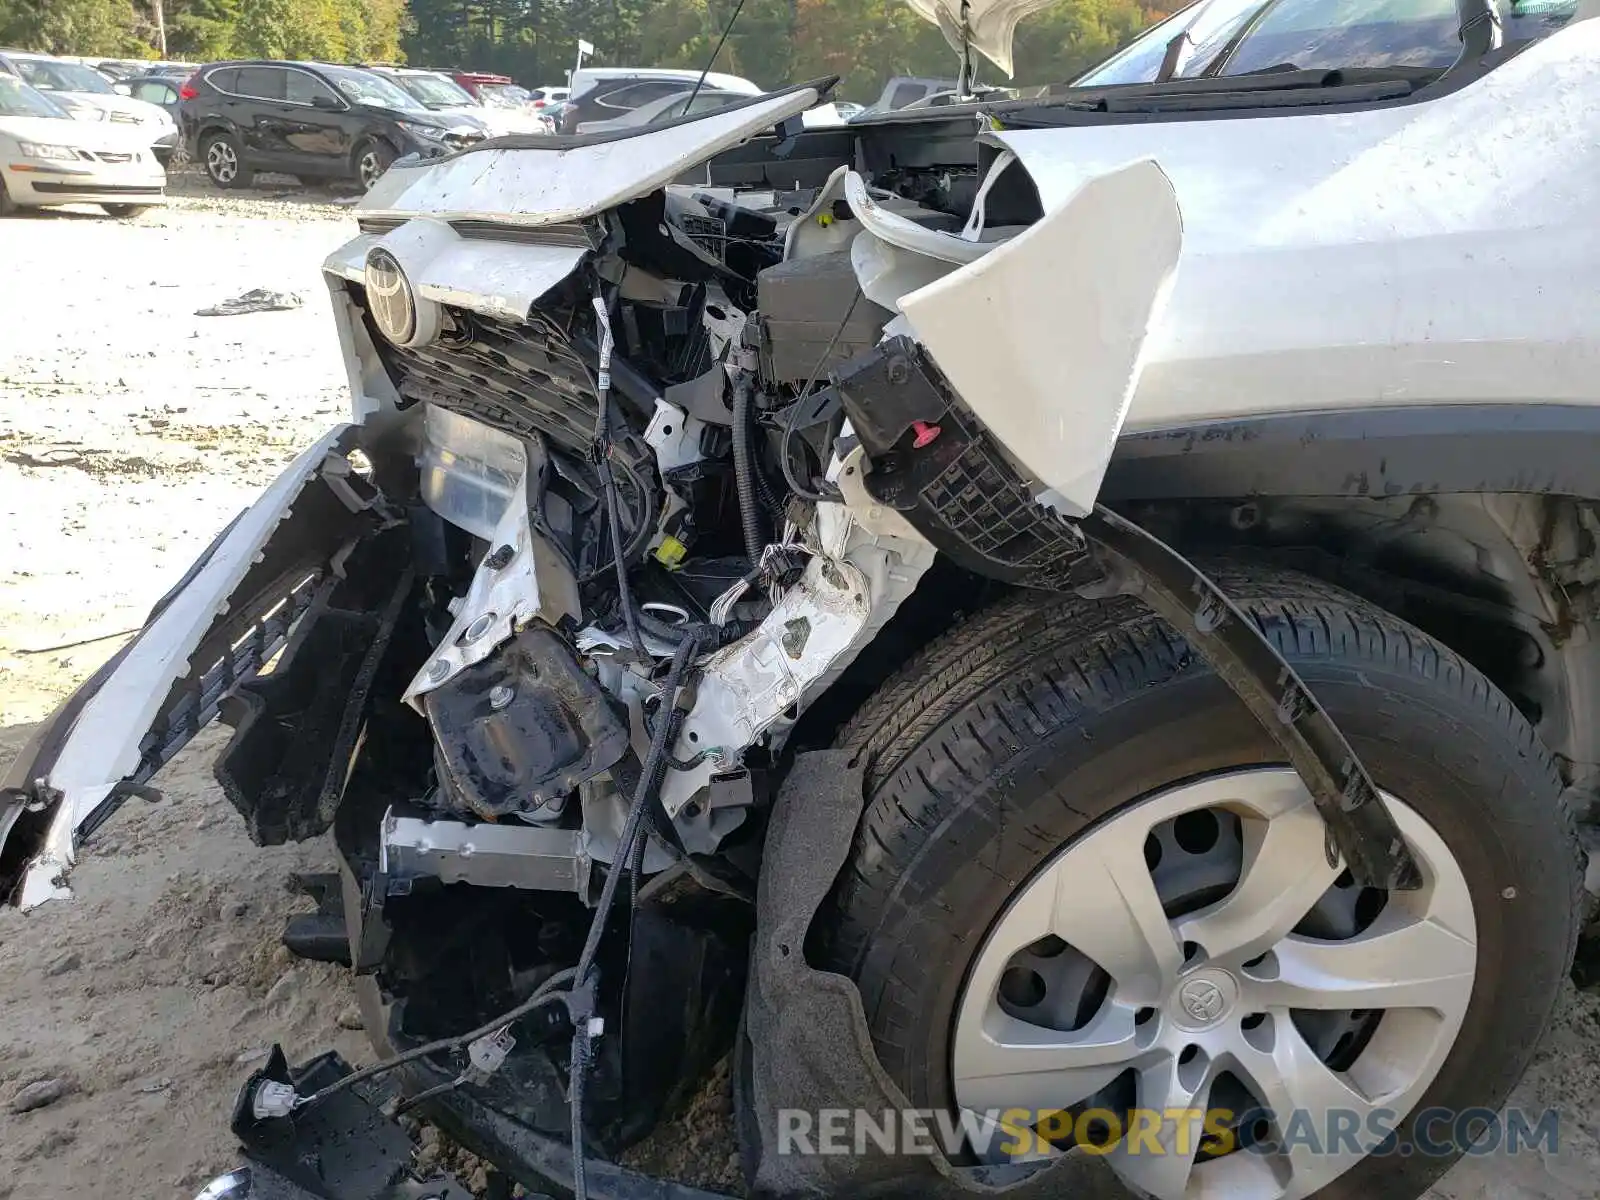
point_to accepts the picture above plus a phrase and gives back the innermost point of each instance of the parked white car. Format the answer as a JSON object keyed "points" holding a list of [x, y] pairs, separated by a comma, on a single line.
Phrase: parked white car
{"points": [[440, 94], [87, 95], [47, 158]]}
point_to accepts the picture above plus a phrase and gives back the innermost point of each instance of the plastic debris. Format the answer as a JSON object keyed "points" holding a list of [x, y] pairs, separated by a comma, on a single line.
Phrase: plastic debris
{"points": [[255, 300]]}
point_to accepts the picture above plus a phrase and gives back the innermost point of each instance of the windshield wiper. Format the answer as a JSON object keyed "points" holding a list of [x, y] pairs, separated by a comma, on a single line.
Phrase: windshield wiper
{"points": [[1343, 92], [1481, 29], [1282, 78]]}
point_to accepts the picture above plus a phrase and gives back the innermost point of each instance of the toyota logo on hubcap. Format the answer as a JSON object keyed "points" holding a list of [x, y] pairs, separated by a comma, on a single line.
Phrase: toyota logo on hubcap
{"points": [[1202, 999]]}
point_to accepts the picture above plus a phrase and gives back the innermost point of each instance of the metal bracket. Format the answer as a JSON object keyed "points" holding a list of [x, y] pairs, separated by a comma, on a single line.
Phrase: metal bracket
{"points": [[1359, 823], [490, 854]]}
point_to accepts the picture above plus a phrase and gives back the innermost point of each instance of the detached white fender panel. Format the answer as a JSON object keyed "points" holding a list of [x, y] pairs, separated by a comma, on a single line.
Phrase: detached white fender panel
{"points": [[1044, 335]]}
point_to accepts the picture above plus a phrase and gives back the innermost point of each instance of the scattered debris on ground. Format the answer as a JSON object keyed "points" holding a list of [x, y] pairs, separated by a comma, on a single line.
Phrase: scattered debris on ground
{"points": [[254, 301]]}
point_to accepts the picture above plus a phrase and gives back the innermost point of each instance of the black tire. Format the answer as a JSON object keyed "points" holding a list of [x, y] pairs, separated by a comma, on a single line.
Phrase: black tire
{"points": [[974, 749], [8, 206], [379, 154], [126, 210], [242, 176]]}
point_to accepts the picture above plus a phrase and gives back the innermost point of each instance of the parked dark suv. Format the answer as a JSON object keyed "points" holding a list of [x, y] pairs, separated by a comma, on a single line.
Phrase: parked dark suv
{"points": [[310, 120]]}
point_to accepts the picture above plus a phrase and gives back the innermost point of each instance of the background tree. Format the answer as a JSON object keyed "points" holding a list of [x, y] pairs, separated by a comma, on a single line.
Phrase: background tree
{"points": [[72, 27], [535, 41], [200, 29]]}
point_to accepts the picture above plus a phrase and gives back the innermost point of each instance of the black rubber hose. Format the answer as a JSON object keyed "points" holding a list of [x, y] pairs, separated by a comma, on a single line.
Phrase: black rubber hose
{"points": [[577, 1077], [787, 440], [655, 815], [744, 470], [632, 832], [649, 782], [649, 509], [765, 492], [608, 485]]}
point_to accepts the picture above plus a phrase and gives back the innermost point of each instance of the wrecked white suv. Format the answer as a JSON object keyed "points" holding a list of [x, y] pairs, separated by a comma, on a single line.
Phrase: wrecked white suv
{"points": [[1075, 616]]}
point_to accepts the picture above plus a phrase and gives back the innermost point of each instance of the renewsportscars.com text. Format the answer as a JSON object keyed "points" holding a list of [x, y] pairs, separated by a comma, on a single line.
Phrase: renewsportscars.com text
{"points": [[1023, 1133]]}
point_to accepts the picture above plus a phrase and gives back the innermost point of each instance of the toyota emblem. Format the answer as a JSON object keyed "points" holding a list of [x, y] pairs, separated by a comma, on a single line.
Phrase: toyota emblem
{"points": [[1202, 1000], [389, 298]]}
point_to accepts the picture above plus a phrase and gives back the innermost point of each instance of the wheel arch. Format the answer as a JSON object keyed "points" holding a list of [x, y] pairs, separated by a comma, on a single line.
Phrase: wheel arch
{"points": [[371, 137], [216, 125], [1480, 525]]}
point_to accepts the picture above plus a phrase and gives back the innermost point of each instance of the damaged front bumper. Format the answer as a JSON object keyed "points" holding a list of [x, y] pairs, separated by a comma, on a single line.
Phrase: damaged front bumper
{"points": [[134, 714]]}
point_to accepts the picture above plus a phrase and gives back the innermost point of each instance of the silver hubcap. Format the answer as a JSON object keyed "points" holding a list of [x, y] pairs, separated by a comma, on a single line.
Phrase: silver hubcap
{"points": [[222, 162], [370, 168], [1198, 953]]}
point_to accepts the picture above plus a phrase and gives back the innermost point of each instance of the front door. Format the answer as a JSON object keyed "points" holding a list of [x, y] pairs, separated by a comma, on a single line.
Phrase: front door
{"points": [[319, 127], [261, 113]]}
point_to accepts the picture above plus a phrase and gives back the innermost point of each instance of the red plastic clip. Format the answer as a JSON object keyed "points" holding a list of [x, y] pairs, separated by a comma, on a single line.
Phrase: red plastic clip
{"points": [[925, 433]]}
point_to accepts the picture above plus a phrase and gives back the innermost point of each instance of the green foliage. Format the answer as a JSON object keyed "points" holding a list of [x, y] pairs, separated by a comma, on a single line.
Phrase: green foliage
{"points": [[203, 30], [71, 27], [774, 42], [321, 30], [198, 30]]}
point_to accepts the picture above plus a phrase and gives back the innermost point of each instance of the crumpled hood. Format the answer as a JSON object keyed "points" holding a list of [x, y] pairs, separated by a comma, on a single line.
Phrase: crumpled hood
{"points": [[991, 24], [550, 180]]}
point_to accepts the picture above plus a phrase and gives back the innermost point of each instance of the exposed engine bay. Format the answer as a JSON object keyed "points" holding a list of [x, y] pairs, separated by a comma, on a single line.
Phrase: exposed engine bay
{"points": [[624, 544]]}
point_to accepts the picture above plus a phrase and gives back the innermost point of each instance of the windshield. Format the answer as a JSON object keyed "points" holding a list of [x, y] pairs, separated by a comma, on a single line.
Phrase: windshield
{"points": [[436, 91], [363, 87], [17, 99], [504, 95], [50, 76], [1241, 37]]}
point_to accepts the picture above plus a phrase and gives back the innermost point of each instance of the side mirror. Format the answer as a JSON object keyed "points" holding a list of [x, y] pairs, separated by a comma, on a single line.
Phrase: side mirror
{"points": [[329, 102]]}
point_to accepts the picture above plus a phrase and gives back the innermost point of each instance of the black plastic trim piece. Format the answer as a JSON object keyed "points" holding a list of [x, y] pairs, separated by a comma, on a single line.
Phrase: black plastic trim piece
{"points": [[1359, 823], [70, 188], [1540, 449]]}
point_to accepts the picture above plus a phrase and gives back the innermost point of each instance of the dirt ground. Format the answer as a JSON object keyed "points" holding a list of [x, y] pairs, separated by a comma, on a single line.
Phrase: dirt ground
{"points": [[130, 431]]}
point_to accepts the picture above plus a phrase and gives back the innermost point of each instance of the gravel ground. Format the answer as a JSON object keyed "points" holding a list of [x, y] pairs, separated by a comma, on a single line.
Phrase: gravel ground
{"points": [[130, 430]]}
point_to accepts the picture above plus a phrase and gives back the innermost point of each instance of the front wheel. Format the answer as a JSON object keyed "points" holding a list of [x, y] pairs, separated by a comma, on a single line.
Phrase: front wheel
{"points": [[1086, 887]]}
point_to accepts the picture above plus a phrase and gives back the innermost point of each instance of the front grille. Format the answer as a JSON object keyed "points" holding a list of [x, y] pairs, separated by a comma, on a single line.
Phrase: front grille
{"points": [[123, 118], [107, 156], [519, 378]]}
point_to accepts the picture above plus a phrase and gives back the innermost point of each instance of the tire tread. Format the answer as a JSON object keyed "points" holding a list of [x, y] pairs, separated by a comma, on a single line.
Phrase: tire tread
{"points": [[980, 678]]}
